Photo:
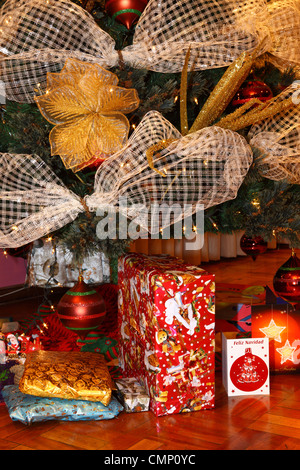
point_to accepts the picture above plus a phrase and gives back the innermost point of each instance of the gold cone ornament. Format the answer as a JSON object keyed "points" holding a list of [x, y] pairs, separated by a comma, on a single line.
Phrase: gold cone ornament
{"points": [[86, 107]]}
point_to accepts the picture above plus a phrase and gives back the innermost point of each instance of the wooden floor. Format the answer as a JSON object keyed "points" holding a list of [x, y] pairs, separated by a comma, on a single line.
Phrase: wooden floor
{"points": [[238, 423]]}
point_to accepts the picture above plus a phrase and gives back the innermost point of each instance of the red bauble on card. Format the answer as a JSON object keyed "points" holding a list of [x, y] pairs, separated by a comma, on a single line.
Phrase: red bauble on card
{"points": [[249, 372]]}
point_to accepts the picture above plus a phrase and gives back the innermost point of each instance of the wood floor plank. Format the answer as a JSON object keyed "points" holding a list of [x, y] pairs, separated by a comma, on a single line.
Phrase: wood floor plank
{"points": [[289, 444], [275, 428], [187, 432], [23, 448], [114, 439], [7, 445], [169, 444], [179, 441], [146, 444], [249, 439], [290, 404], [73, 439], [281, 420], [247, 407], [237, 423], [31, 436], [10, 428]]}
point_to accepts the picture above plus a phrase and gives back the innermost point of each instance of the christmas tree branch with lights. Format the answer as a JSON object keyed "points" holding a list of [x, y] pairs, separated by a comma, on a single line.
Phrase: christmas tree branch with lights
{"points": [[261, 207]]}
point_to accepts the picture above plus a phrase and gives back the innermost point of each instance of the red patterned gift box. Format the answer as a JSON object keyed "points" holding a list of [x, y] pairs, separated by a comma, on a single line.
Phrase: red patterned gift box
{"points": [[166, 323]]}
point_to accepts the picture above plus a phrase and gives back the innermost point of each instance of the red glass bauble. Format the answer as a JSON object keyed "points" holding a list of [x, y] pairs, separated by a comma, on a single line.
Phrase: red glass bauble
{"points": [[81, 309], [252, 89], [253, 246], [126, 12], [93, 166], [249, 372], [286, 281]]}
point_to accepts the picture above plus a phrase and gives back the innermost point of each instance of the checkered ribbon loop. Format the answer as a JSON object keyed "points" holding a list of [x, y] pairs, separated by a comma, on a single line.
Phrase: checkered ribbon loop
{"points": [[33, 201], [206, 167], [277, 139], [215, 32]]}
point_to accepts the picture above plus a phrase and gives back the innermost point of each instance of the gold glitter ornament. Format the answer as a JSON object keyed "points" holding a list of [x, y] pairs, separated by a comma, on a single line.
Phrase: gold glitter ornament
{"points": [[183, 95], [86, 106], [244, 117], [224, 91], [156, 148]]}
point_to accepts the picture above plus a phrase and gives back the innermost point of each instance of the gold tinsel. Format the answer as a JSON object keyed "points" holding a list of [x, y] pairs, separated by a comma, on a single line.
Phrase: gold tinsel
{"points": [[155, 148], [183, 96], [244, 117]]}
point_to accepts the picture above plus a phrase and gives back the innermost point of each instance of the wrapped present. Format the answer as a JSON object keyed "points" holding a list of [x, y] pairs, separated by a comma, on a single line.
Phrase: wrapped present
{"points": [[4, 320], [8, 327], [166, 323], [132, 395], [30, 409], [69, 375], [18, 371]]}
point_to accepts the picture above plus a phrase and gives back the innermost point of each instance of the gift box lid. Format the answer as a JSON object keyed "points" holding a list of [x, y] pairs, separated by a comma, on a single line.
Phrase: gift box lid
{"points": [[165, 267], [168, 288]]}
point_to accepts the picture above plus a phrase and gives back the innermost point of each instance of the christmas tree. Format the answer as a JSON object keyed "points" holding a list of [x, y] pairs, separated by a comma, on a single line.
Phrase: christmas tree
{"points": [[262, 206]]}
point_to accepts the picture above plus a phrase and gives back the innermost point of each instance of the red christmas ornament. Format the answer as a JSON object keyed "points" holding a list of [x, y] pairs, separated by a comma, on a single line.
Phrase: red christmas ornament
{"points": [[249, 372], [252, 89], [126, 12], [81, 309], [286, 281], [253, 246], [93, 166]]}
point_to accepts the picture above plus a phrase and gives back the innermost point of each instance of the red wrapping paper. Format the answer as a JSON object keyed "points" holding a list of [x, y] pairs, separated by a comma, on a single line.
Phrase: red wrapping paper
{"points": [[166, 323]]}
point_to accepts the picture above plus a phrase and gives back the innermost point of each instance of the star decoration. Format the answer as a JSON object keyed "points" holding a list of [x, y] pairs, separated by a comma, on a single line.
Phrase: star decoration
{"points": [[286, 352], [86, 107], [273, 331]]}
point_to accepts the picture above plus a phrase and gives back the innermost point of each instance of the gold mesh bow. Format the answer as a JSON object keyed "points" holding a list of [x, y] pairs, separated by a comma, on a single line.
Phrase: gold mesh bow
{"points": [[86, 106]]}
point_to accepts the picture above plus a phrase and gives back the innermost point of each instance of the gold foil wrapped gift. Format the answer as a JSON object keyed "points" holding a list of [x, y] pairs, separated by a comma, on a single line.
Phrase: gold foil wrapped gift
{"points": [[69, 375]]}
